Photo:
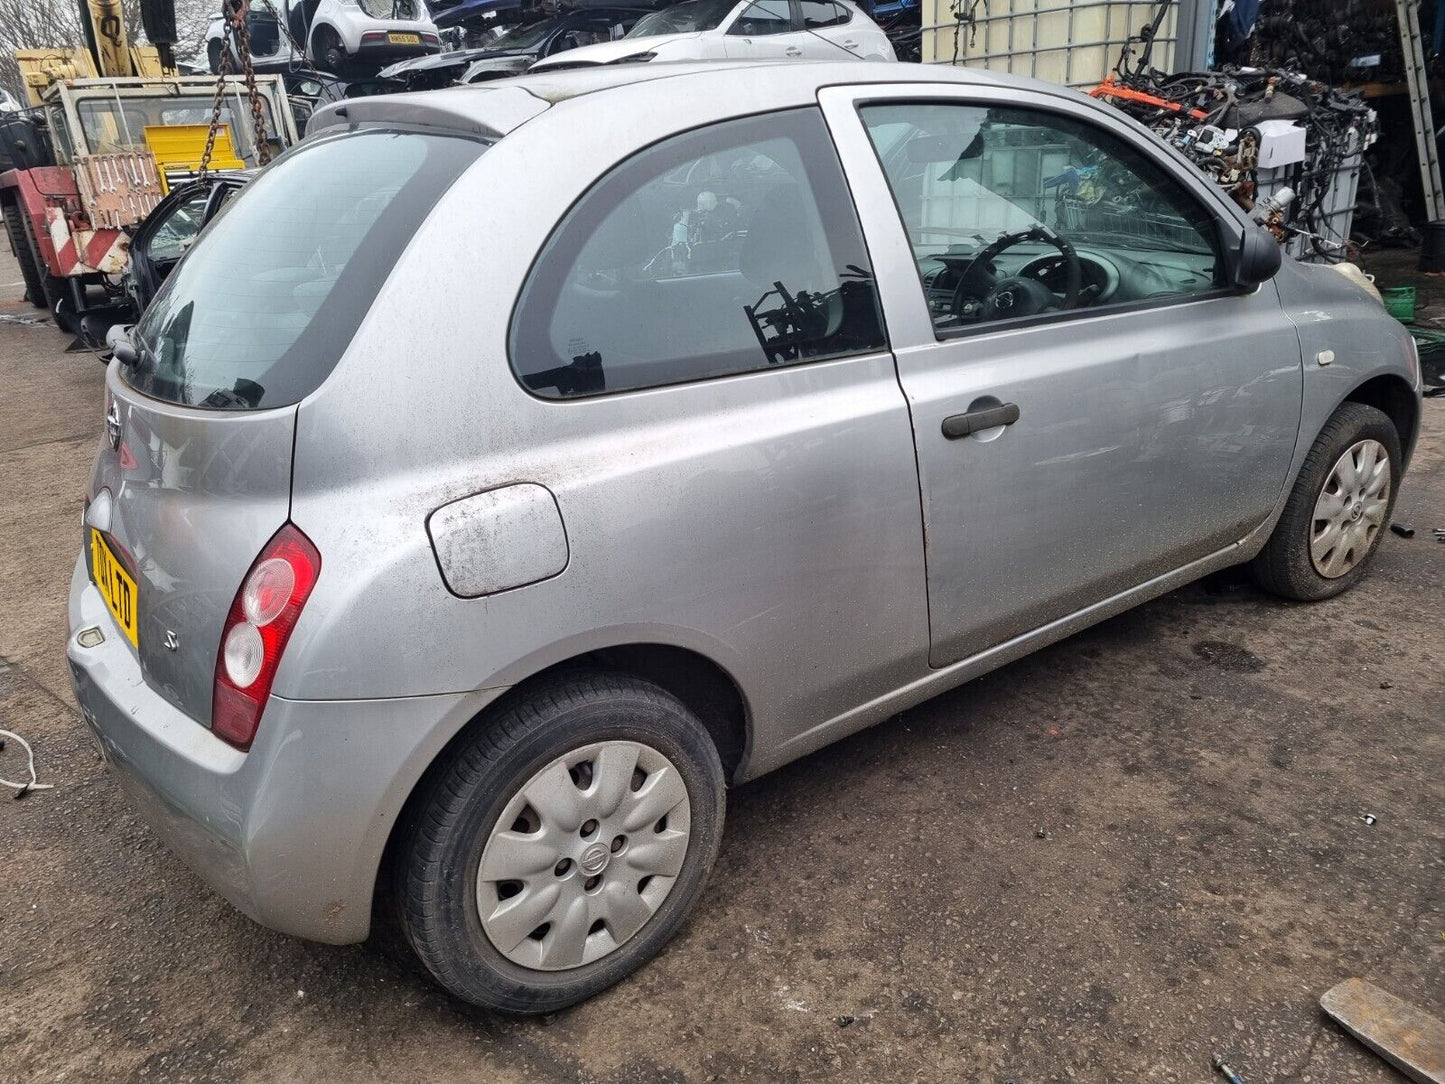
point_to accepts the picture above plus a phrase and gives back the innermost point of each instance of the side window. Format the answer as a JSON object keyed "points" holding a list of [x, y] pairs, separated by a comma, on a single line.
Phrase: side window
{"points": [[725, 250], [820, 13], [180, 228], [762, 18], [1015, 213]]}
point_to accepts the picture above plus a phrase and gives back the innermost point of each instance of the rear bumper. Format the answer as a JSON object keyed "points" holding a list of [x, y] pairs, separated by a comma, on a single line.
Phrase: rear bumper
{"points": [[290, 833], [386, 50]]}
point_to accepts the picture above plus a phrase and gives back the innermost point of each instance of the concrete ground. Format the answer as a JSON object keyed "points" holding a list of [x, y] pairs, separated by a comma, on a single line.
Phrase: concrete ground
{"points": [[1128, 853]]}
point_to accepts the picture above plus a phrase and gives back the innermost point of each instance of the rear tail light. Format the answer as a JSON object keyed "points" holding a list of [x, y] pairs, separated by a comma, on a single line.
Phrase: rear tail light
{"points": [[260, 622]]}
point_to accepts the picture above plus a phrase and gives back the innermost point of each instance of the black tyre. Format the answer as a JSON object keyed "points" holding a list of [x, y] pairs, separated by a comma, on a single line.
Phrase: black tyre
{"points": [[214, 53], [52, 286], [1339, 509], [563, 845], [19, 238], [328, 52]]}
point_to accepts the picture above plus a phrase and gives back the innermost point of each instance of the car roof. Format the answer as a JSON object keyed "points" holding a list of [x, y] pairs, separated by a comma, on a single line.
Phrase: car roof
{"points": [[497, 107]]}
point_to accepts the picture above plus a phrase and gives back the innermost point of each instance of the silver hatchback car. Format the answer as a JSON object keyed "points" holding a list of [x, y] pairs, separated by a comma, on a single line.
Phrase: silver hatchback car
{"points": [[508, 469]]}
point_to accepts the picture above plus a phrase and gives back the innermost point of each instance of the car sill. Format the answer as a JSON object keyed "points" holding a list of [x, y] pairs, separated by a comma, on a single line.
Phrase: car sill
{"points": [[938, 681]]}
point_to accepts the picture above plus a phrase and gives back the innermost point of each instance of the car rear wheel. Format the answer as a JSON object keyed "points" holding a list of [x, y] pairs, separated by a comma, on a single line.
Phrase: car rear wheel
{"points": [[1339, 509], [563, 844], [330, 53]]}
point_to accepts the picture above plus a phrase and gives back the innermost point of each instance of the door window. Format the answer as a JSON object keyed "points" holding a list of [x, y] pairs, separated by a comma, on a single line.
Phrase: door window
{"points": [[1017, 213], [725, 250], [173, 236], [763, 18], [818, 14]]}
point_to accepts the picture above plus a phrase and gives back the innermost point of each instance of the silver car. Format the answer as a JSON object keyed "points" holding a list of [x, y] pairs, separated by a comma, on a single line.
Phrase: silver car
{"points": [[509, 469]]}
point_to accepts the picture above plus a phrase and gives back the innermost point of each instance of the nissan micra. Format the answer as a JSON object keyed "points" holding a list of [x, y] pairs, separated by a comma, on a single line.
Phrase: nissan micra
{"points": [[507, 470]]}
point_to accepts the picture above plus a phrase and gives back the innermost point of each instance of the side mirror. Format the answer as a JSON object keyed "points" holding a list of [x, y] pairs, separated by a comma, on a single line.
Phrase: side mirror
{"points": [[1258, 257]]}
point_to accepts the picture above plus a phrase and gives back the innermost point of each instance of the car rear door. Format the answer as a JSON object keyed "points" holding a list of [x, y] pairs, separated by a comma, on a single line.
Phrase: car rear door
{"points": [[1064, 457]]}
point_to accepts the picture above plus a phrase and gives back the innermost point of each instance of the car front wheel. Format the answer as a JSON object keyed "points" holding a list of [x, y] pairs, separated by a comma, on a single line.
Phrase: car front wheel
{"points": [[563, 844], [1339, 509]]}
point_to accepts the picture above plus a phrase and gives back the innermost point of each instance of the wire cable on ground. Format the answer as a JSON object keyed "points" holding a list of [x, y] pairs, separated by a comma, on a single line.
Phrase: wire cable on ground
{"points": [[22, 789]]}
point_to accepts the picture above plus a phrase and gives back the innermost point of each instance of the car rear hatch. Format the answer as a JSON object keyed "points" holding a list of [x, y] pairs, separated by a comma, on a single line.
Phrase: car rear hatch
{"points": [[192, 496], [194, 477]]}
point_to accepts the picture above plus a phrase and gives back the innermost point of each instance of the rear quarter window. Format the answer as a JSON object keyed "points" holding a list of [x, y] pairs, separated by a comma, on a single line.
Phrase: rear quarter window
{"points": [[724, 250], [264, 304]]}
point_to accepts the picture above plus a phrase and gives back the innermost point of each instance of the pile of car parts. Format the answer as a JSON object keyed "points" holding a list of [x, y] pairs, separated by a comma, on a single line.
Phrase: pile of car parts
{"points": [[1284, 146], [1341, 41]]}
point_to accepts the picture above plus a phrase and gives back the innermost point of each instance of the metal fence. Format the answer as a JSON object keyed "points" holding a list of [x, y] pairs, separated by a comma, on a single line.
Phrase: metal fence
{"points": [[1077, 215], [1076, 44]]}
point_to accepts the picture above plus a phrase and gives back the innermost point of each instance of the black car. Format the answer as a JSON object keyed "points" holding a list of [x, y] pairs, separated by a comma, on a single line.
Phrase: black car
{"points": [[163, 237], [517, 49]]}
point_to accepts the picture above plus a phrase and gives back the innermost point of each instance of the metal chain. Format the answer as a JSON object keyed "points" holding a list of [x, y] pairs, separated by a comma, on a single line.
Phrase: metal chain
{"points": [[258, 113], [235, 25], [216, 100]]}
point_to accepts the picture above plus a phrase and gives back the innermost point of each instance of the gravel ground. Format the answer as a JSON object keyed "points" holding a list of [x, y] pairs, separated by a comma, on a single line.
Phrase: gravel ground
{"points": [[1110, 861]]}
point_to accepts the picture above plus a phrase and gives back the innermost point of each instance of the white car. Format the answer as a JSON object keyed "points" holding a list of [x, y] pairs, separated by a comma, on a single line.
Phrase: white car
{"points": [[8, 104], [338, 33], [729, 29]]}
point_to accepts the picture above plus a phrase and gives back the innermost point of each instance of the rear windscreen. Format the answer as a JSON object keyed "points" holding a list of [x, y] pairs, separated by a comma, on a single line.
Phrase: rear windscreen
{"points": [[266, 301]]}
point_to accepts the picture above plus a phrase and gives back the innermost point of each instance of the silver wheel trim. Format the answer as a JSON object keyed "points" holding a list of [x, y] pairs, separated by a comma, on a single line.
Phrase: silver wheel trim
{"points": [[1350, 510], [551, 897]]}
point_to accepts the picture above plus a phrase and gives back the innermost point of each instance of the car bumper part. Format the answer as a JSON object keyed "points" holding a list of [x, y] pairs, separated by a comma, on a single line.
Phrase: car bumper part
{"points": [[292, 832], [381, 49]]}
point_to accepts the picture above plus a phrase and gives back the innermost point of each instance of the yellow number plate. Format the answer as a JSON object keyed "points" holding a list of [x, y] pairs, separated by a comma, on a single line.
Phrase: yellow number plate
{"points": [[115, 585], [404, 39]]}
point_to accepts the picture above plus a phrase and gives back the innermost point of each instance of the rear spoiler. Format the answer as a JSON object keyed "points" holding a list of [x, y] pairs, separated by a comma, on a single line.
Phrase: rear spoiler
{"points": [[488, 112]]}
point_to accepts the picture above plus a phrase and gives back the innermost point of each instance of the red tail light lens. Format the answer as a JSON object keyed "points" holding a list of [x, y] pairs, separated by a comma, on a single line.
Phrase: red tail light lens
{"points": [[260, 622]]}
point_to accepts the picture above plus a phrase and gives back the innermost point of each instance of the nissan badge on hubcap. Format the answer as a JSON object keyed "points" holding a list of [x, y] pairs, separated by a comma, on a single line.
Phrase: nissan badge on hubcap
{"points": [[583, 855]]}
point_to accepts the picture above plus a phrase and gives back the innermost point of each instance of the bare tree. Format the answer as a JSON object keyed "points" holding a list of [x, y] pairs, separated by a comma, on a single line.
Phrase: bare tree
{"points": [[38, 24], [193, 19]]}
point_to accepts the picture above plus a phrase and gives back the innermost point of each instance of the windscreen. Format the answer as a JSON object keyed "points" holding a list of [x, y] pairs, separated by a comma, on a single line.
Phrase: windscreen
{"points": [[685, 18], [118, 125], [264, 304], [525, 37]]}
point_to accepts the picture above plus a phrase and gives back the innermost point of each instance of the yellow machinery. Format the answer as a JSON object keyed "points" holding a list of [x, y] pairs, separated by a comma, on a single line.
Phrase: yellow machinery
{"points": [[125, 128], [178, 149], [41, 68]]}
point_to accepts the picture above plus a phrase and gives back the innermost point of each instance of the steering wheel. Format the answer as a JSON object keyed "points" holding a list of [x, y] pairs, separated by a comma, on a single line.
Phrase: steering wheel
{"points": [[1015, 295]]}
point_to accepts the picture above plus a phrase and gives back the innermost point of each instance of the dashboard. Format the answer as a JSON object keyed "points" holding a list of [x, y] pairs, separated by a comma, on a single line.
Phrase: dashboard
{"points": [[1114, 276], [1100, 277]]}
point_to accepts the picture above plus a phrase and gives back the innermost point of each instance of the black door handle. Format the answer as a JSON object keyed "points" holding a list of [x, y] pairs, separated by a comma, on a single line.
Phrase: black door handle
{"points": [[961, 425]]}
